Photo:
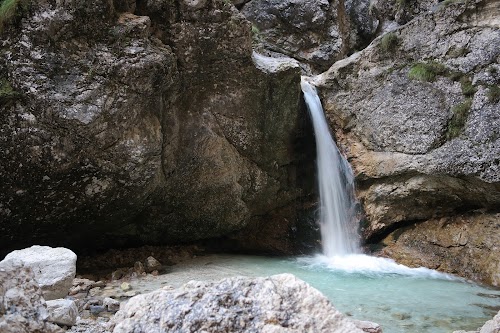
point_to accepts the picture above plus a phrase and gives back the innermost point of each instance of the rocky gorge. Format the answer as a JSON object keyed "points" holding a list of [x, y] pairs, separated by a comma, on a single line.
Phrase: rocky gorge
{"points": [[162, 122]]}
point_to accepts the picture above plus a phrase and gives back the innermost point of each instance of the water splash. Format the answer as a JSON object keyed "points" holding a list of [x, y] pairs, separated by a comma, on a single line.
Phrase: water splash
{"points": [[336, 185]]}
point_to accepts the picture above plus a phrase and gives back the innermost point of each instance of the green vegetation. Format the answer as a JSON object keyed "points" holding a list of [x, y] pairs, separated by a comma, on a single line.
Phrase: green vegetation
{"points": [[9, 9], [458, 119], [455, 75], [493, 94], [426, 72], [467, 88], [6, 91], [389, 42]]}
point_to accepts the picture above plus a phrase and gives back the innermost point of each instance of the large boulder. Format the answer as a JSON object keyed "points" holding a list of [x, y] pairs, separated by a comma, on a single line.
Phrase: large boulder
{"points": [[22, 307], [416, 113], [143, 122], [280, 303], [54, 268]]}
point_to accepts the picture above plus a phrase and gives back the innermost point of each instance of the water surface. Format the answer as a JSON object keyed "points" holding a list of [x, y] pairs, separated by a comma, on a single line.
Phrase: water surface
{"points": [[399, 298]]}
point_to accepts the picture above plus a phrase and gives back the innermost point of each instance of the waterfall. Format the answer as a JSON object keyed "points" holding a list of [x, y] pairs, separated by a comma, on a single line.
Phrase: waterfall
{"points": [[336, 185]]}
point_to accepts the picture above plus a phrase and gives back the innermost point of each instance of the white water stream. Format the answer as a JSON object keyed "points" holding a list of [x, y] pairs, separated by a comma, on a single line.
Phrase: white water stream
{"points": [[336, 185]]}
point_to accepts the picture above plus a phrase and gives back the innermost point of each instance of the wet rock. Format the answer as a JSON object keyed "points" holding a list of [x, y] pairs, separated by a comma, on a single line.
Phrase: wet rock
{"points": [[152, 264], [62, 312], [467, 244], [118, 274], [368, 326], [235, 305], [22, 307], [491, 326], [54, 268]]}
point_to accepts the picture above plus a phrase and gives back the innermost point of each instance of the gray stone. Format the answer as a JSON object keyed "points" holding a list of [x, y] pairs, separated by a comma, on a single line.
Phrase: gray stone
{"points": [[54, 268], [368, 326], [151, 264], [62, 312], [22, 307], [111, 305], [281, 303]]}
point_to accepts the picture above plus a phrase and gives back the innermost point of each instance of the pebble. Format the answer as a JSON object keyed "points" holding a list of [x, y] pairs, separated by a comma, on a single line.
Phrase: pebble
{"points": [[152, 264], [125, 286], [96, 309]]}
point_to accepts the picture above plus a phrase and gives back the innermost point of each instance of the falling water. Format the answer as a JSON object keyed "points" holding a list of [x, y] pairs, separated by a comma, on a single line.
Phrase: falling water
{"points": [[336, 185]]}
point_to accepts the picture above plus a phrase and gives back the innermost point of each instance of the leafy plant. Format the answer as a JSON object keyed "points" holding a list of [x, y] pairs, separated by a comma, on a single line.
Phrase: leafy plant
{"points": [[426, 72], [389, 42], [493, 94], [458, 119]]}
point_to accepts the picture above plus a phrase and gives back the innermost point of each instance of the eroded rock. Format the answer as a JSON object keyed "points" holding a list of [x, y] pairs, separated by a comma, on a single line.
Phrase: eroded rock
{"points": [[413, 113], [22, 307], [273, 304], [62, 312], [54, 268]]}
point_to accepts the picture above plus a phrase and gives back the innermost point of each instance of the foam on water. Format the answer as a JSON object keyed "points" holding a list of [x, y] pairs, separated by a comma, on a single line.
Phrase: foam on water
{"points": [[368, 265]]}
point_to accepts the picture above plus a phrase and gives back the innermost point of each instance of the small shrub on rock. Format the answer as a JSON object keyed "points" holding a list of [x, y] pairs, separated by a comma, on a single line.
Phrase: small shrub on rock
{"points": [[467, 88], [426, 72], [493, 94], [389, 42], [458, 119]]}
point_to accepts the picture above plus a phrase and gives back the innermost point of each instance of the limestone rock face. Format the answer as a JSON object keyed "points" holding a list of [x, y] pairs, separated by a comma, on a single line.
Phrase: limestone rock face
{"points": [[141, 123], [280, 303], [452, 244], [317, 32], [22, 307], [416, 113], [54, 268]]}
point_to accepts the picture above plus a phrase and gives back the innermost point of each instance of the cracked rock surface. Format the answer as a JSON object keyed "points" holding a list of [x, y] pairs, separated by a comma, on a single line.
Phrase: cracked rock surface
{"points": [[141, 123]]}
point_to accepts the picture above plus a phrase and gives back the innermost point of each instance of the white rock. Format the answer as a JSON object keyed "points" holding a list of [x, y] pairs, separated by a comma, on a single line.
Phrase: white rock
{"points": [[280, 303], [62, 311], [368, 326], [492, 326], [22, 307], [54, 268], [111, 304]]}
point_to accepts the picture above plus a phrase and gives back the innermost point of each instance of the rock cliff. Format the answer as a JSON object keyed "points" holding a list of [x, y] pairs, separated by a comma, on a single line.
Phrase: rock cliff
{"points": [[128, 122], [417, 113]]}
